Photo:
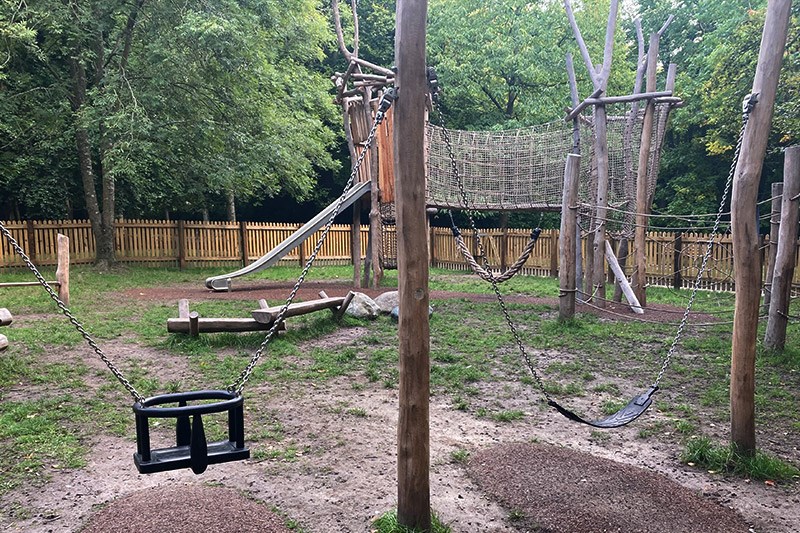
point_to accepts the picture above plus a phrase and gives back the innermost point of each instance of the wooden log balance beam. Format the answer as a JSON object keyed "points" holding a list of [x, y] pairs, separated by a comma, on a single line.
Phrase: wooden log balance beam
{"points": [[193, 324], [268, 315], [5, 320]]}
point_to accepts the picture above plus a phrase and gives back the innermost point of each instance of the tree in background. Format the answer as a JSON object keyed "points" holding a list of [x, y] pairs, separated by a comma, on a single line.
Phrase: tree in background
{"points": [[166, 102]]}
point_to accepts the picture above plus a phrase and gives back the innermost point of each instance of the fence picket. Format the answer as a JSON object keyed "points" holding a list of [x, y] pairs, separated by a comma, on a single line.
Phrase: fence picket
{"points": [[154, 242]]}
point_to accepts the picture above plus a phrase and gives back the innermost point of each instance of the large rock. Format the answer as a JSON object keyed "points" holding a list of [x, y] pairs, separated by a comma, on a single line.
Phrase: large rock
{"points": [[388, 301], [3, 342], [395, 312], [362, 306]]}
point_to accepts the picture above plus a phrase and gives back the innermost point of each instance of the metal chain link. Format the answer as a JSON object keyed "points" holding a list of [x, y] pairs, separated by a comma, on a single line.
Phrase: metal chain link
{"points": [[747, 107], [386, 102], [491, 278], [78, 326]]}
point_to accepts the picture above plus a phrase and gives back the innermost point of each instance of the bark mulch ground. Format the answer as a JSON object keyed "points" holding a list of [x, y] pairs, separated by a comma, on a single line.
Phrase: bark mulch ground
{"points": [[553, 489], [186, 509]]}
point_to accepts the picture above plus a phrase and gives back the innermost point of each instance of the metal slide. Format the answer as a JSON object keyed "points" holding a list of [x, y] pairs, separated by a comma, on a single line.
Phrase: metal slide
{"points": [[223, 282]]}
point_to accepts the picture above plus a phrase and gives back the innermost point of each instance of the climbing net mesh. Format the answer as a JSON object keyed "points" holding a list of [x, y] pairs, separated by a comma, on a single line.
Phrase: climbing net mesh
{"points": [[524, 168]]}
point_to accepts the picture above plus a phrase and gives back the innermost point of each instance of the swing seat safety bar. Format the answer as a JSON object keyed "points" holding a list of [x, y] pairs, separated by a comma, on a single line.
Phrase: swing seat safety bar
{"points": [[626, 415], [191, 448]]}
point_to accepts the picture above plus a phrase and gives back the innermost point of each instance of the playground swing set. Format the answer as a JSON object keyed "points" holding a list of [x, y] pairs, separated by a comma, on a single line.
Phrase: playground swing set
{"points": [[191, 448]]}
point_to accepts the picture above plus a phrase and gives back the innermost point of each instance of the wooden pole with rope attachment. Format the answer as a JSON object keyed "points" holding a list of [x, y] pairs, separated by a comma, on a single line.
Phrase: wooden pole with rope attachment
{"points": [[744, 217], [413, 427]]}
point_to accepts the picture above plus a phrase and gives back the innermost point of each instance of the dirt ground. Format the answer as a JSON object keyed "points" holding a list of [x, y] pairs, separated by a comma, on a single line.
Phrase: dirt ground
{"points": [[541, 473]]}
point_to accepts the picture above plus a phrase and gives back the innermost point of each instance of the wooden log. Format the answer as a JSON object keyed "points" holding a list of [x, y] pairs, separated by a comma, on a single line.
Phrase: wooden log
{"points": [[623, 281], [573, 113], [744, 218], [373, 66], [342, 308], [413, 424], [183, 308], [622, 258], [567, 250], [642, 182], [5, 317], [270, 314], [775, 336], [62, 271], [194, 325], [774, 227], [3, 342], [216, 325], [601, 212], [607, 100]]}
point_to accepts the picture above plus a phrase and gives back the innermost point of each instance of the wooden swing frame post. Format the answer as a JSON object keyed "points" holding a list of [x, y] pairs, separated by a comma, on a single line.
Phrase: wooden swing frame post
{"points": [[786, 247], [744, 216], [413, 427]]}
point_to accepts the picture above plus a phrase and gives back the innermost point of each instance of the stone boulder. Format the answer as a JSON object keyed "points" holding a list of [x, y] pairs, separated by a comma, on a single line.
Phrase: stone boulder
{"points": [[362, 306], [395, 313], [388, 301]]}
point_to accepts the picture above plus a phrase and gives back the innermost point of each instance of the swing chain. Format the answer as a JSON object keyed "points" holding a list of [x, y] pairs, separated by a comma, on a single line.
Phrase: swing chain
{"points": [[748, 104], [491, 278], [388, 98], [74, 321]]}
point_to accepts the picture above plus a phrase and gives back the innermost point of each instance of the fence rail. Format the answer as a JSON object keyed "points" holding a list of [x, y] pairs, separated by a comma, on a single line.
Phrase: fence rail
{"points": [[673, 259]]}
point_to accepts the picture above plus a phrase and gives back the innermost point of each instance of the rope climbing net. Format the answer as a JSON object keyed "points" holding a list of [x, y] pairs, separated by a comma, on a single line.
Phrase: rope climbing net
{"points": [[524, 168]]}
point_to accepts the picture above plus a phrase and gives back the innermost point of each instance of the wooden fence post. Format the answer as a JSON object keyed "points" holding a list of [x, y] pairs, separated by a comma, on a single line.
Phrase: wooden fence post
{"points": [[31, 231], [677, 274], [774, 225], [775, 336], [181, 244], [554, 254], [244, 248]]}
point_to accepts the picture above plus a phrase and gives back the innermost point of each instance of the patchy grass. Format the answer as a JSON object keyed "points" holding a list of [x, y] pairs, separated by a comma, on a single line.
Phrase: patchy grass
{"points": [[388, 523], [725, 459]]}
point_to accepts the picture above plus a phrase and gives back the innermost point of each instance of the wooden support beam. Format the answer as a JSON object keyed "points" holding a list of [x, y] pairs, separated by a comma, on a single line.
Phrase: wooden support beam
{"points": [[567, 250], [339, 313], [775, 336], [642, 182], [664, 96], [413, 425], [744, 216], [183, 308], [774, 227], [62, 271], [623, 281]]}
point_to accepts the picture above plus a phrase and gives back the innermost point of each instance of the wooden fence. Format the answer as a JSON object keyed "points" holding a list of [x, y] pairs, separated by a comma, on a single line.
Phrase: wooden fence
{"points": [[672, 259]]}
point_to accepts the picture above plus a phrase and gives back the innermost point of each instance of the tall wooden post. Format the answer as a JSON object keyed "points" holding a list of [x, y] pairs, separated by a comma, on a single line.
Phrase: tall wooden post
{"points": [[642, 196], [355, 244], [747, 274], [775, 336], [413, 427], [569, 221], [774, 227], [62, 272]]}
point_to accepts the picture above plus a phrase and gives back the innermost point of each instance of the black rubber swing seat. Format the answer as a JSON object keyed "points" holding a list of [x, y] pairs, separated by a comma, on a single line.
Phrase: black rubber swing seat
{"points": [[191, 448], [624, 416]]}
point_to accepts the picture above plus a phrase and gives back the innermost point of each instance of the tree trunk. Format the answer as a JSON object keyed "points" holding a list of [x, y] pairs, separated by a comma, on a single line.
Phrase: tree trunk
{"points": [[231, 202]]}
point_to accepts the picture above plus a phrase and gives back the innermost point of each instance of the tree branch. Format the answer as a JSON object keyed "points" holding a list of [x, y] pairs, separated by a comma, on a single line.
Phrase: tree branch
{"points": [[608, 50], [337, 23], [581, 43], [666, 25]]}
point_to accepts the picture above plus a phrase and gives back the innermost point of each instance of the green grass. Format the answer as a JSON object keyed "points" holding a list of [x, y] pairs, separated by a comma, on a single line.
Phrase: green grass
{"points": [[471, 350], [388, 523], [705, 454]]}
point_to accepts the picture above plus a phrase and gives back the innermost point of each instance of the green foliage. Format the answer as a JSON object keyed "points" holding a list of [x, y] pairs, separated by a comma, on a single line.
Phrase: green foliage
{"points": [[182, 103]]}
